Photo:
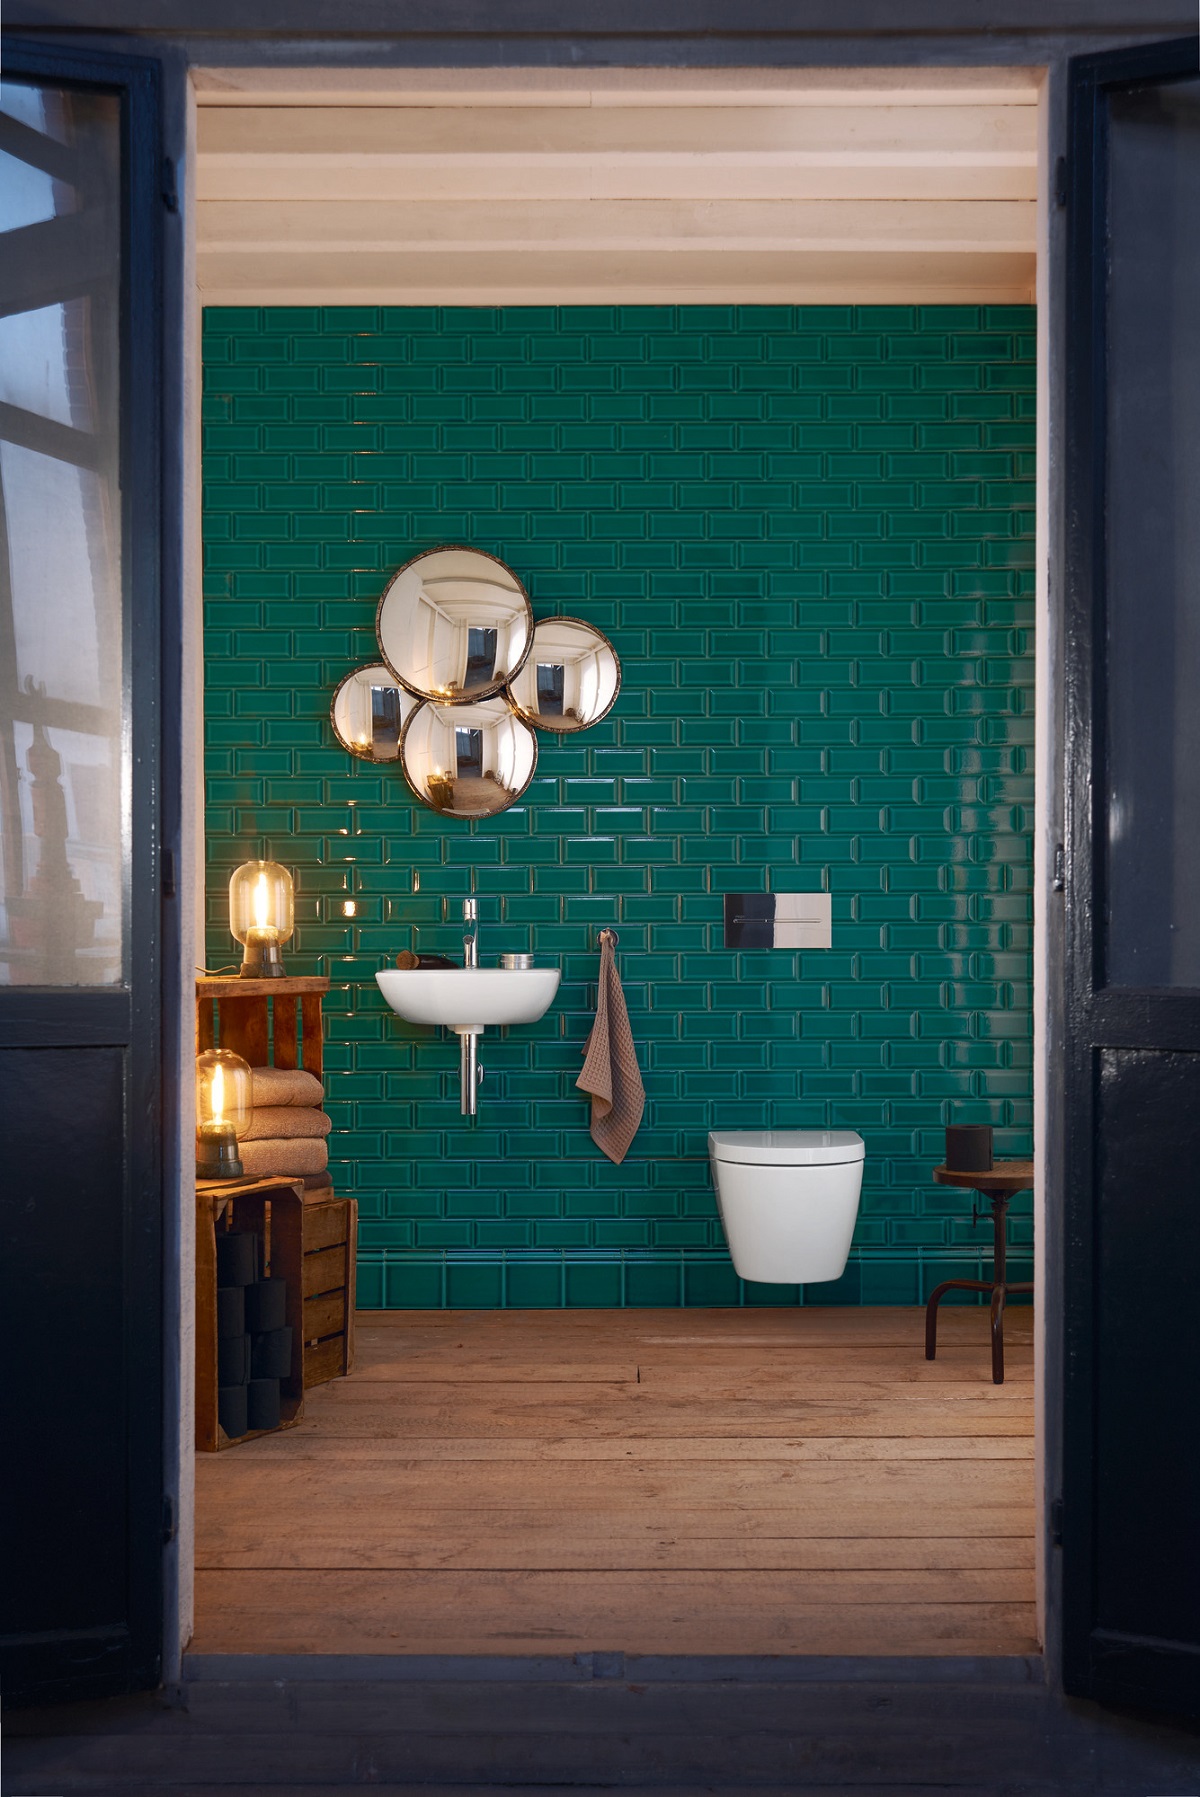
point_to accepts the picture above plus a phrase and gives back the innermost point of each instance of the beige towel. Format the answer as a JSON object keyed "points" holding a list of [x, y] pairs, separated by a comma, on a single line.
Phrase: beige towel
{"points": [[285, 1122], [284, 1085], [610, 1069], [265, 1159]]}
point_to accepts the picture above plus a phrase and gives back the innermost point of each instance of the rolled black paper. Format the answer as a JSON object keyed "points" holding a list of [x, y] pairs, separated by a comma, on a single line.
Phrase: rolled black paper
{"points": [[237, 1257], [271, 1355], [262, 1403], [233, 1359], [969, 1147], [266, 1305], [231, 1408], [231, 1310]]}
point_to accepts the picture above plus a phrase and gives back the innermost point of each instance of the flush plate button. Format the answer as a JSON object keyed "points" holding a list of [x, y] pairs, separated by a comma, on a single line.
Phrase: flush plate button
{"points": [[778, 920]]}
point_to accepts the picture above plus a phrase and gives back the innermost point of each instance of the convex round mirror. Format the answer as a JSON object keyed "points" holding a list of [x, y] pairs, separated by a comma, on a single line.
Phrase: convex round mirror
{"points": [[571, 678], [369, 711], [454, 625], [468, 760]]}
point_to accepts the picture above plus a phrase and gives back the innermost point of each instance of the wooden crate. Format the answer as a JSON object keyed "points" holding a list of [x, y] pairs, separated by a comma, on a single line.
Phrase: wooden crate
{"points": [[273, 1209], [268, 1022], [330, 1249]]}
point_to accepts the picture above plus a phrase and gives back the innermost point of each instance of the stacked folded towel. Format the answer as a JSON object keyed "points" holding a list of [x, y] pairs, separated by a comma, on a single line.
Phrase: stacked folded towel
{"points": [[288, 1127]]}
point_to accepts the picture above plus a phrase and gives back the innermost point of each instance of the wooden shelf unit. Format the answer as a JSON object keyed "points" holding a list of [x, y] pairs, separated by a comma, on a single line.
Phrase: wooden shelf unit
{"points": [[278, 1023], [268, 1022], [330, 1251], [274, 1210]]}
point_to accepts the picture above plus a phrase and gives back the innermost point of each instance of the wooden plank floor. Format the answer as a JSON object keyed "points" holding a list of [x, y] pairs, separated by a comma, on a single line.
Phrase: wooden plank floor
{"points": [[685, 1481]]}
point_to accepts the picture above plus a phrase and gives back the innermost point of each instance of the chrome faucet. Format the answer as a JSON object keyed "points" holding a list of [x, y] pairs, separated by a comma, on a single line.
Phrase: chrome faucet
{"points": [[471, 939]]}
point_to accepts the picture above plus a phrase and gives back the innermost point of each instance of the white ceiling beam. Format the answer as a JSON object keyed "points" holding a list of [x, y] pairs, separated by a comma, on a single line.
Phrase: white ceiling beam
{"points": [[257, 87], [602, 227], [914, 137], [314, 178], [686, 277]]}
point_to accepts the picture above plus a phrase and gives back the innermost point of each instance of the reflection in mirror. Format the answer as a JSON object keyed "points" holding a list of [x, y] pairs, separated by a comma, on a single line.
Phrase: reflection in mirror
{"points": [[468, 760], [571, 679], [369, 712], [454, 625]]}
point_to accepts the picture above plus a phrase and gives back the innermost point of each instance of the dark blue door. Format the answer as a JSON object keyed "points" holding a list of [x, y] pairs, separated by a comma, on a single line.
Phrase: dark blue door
{"points": [[1131, 1490], [80, 923]]}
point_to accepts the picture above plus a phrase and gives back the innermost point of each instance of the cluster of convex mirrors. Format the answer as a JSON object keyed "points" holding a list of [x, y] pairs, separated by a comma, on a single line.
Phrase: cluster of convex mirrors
{"points": [[465, 676]]}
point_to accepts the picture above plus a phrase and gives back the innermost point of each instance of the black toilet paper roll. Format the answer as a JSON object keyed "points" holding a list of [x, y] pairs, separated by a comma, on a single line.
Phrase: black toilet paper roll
{"points": [[231, 1310], [266, 1305], [271, 1355], [233, 1359], [231, 1408], [262, 1403], [969, 1147], [237, 1257]]}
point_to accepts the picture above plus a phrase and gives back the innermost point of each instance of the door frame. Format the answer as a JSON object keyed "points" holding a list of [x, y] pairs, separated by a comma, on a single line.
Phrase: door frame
{"points": [[1047, 950]]}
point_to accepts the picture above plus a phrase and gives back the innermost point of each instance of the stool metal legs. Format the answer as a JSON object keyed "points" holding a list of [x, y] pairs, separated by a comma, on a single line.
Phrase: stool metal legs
{"points": [[997, 1286]]}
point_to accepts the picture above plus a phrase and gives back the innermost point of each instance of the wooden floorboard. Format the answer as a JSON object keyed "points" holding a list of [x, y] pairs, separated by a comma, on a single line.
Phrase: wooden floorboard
{"points": [[795, 1481]]}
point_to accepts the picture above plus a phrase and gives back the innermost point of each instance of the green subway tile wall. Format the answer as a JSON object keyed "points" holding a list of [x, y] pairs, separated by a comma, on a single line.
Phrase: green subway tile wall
{"points": [[809, 533]]}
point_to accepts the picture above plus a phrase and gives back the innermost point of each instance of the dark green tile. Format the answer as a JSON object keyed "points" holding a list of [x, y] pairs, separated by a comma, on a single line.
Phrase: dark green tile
{"points": [[853, 482]]}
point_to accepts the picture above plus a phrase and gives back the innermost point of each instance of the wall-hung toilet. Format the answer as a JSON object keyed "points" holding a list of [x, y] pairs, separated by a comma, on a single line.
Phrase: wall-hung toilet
{"points": [[788, 1199]]}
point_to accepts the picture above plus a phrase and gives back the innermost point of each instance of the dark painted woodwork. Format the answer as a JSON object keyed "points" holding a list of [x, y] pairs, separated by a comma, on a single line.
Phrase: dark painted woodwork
{"points": [[81, 1105], [488, 30], [1130, 1506], [60, 1243]]}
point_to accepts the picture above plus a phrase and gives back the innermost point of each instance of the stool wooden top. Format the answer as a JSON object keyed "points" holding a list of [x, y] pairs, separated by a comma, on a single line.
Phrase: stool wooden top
{"points": [[1004, 1178]]}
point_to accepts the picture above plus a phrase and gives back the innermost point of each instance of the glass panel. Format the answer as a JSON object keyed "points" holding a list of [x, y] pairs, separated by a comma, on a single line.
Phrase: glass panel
{"points": [[1153, 538], [61, 560], [36, 359]]}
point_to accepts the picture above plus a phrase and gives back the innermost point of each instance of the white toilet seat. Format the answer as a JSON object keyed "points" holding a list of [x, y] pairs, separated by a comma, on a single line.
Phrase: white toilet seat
{"points": [[788, 1200], [786, 1147]]}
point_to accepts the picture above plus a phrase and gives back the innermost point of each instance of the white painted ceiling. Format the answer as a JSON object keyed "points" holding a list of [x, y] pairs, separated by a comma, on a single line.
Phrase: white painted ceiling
{"points": [[520, 187]]}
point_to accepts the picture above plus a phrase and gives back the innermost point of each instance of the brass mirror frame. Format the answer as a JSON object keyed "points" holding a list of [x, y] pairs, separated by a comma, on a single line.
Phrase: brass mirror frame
{"points": [[482, 693], [407, 699], [535, 719], [518, 723]]}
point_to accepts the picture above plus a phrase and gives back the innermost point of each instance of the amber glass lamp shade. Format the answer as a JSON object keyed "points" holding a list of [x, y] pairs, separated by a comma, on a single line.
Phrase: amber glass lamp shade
{"points": [[262, 912], [223, 1108]]}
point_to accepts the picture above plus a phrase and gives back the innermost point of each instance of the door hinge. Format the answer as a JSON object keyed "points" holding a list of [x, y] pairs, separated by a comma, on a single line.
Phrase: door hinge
{"points": [[1062, 181], [170, 191], [168, 1519], [170, 881], [1059, 882], [1056, 1522]]}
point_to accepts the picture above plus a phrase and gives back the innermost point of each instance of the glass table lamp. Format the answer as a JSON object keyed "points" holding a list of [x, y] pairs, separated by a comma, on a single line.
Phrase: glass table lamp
{"points": [[262, 913], [223, 1109]]}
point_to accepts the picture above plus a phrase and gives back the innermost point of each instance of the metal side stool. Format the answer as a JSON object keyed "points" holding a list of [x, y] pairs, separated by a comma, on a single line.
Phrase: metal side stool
{"points": [[998, 1186]]}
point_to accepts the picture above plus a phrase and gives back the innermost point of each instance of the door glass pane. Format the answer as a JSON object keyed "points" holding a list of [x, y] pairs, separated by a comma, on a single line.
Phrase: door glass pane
{"points": [[62, 773], [1153, 537]]}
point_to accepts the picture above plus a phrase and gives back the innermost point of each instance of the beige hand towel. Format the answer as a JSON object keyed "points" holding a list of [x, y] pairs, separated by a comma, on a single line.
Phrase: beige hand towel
{"points": [[610, 1069], [285, 1085], [280, 1122], [265, 1159]]}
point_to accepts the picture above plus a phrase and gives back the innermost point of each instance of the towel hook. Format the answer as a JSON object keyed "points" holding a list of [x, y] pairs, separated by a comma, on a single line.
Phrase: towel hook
{"points": [[606, 931]]}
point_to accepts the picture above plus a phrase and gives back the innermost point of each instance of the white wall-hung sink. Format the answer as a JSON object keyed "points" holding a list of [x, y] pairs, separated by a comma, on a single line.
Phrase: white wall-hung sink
{"points": [[469, 1000]]}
